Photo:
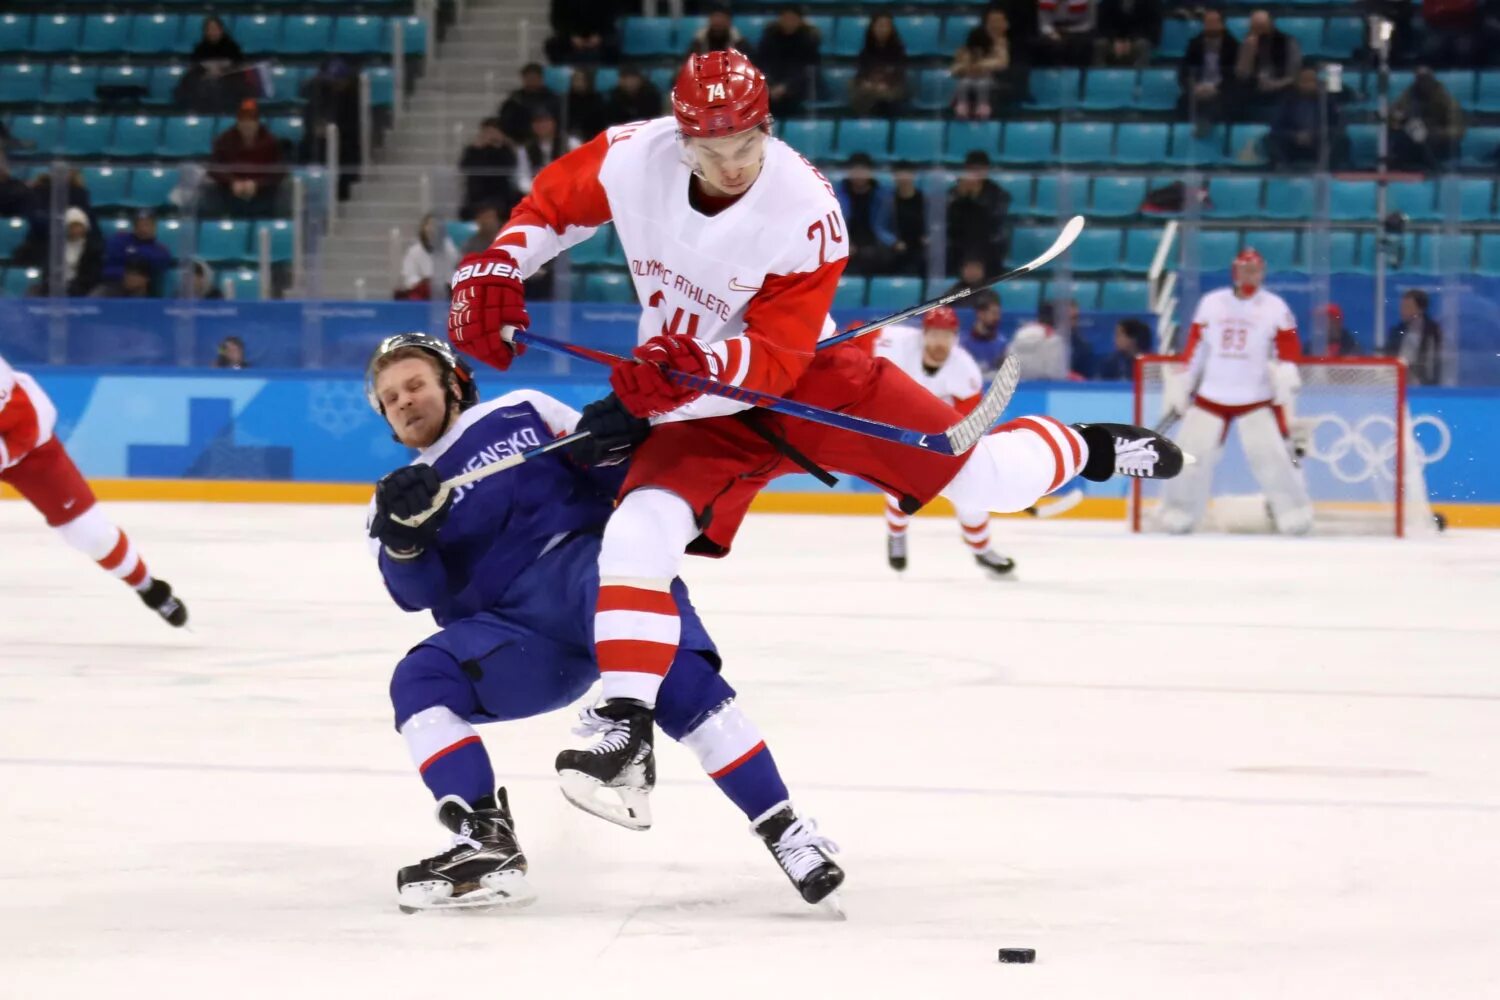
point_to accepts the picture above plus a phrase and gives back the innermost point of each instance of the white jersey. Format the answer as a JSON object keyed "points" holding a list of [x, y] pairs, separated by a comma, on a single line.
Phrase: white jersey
{"points": [[27, 416], [957, 382], [754, 281], [1233, 341]]}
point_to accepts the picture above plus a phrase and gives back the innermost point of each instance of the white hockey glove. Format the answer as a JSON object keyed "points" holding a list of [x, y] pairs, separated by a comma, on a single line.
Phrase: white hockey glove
{"points": [[1285, 381]]}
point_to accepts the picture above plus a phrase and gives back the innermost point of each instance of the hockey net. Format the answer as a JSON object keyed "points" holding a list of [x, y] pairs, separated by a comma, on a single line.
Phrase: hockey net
{"points": [[1357, 457]]}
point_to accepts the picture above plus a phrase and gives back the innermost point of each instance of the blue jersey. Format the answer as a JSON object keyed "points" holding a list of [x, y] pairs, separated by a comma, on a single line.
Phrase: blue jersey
{"points": [[499, 526]]}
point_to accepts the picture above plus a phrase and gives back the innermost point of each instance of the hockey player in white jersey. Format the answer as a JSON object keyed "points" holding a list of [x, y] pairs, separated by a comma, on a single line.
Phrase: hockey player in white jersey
{"points": [[1241, 371], [931, 355]]}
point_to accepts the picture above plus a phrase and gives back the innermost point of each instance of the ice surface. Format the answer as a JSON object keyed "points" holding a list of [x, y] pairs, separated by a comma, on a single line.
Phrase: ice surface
{"points": [[1179, 768]]}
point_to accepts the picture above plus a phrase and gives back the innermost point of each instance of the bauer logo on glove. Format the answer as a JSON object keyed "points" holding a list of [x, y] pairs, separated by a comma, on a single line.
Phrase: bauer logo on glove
{"points": [[488, 297]]}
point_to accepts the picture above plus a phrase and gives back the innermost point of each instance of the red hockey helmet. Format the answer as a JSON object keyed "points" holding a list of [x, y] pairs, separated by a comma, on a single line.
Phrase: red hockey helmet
{"points": [[941, 318], [1248, 260], [720, 93]]}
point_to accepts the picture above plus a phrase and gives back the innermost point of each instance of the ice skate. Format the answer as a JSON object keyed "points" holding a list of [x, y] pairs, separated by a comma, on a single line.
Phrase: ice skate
{"points": [[995, 566], [159, 598], [484, 869], [622, 760], [803, 854], [895, 552], [1127, 450]]}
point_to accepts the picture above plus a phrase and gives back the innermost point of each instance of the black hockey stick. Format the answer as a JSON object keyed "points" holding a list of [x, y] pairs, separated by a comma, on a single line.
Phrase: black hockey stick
{"points": [[1064, 240]]}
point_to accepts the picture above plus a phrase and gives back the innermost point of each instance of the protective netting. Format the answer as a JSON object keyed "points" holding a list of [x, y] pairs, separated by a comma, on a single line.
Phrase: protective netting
{"points": [[1352, 431]]}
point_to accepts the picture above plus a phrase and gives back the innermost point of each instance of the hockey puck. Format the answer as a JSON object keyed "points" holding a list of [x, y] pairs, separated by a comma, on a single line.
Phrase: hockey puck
{"points": [[1022, 955]]}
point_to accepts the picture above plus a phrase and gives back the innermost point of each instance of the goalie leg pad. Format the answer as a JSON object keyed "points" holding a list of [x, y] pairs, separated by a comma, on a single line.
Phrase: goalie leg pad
{"points": [[1271, 464], [1185, 498]]}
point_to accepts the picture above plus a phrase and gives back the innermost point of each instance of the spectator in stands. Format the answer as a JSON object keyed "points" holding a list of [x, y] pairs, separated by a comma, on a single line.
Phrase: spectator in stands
{"points": [[1427, 125], [978, 216], [1267, 65], [1132, 339], [246, 168], [332, 97], [988, 69], [1206, 73], [231, 355], [719, 33], [984, 339], [431, 253], [133, 283], [1304, 122], [970, 273], [586, 114], [788, 55], [487, 219], [1339, 342], [17, 200], [138, 244], [583, 31], [634, 99], [534, 95], [1039, 350], [1065, 31], [209, 86], [909, 221], [489, 165], [82, 254], [76, 196], [1456, 34], [867, 214], [204, 286], [1082, 362], [1128, 31], [879, 86], [1417, 339], [547, 143]]}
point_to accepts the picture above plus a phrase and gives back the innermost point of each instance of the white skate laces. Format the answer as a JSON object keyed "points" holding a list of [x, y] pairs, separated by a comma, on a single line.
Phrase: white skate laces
{"points": [[613, 735], [1135, 458], [797, 850]]}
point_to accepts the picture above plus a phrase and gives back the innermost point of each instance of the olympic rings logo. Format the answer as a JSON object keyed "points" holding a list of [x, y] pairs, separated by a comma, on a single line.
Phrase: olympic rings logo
{"points": [[1358, 452]]}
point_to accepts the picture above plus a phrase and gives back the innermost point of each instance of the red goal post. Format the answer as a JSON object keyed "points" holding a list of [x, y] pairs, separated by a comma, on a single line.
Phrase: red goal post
{"points": [[1351, 422]]}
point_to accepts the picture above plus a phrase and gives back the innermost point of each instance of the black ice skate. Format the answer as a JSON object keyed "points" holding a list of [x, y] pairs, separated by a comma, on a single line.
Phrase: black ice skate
{"points": [[802, 853], [622, 760], [895, 552], [1128, 450], [995, 565], [484, 868], [159, 598]]}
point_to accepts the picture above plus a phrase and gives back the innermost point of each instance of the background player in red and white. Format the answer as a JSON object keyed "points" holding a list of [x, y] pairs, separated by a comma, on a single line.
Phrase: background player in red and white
{"points": [[34, 462], [1241, 371], [735, 245], [932, 356]]}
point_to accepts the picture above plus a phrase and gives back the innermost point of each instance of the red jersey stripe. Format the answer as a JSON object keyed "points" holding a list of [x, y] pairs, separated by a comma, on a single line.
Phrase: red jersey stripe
{"points": [[614, 597]]}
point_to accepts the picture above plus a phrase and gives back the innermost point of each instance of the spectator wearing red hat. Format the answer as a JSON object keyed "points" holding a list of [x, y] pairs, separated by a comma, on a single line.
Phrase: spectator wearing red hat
{"points": [[1341, 343], [246, 168]]}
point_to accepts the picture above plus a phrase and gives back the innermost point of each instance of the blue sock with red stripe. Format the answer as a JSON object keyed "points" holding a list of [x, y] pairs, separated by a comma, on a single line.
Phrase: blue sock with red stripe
{"points": [[753, 783], [463, 770]]}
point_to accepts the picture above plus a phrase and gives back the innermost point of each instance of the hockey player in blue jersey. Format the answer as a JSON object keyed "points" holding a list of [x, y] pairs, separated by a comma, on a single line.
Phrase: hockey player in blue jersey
{"points": [[508, 568]]}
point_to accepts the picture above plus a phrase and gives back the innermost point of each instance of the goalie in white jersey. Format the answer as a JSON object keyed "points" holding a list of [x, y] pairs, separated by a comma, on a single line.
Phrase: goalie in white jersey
{"points": [[933, 358], [1241, 370]]}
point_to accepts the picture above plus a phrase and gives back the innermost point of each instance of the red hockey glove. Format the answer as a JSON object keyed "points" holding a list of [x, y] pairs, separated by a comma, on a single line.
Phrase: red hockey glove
{"points": [[487, 297], [643, 386]]}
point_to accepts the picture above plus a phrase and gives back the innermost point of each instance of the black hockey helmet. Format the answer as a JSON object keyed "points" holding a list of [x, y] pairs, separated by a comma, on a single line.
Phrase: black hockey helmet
{"points": [[460, 384]]}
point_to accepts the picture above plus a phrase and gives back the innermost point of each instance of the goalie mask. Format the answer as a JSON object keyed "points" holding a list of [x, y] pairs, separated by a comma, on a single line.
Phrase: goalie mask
{"points": [[1248, 272]]}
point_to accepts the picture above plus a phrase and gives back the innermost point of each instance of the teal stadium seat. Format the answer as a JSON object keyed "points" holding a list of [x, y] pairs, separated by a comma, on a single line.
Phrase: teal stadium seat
{"points": [[1021, 297], [163, 83], [1054, 198], [1289, 198], [831, 88], [824, 23], [288, 128], [1239, 27], [12, 234], [460, 231], [812, 138], [1233, 198], [1140, 248], [19, 279], [71, 84], [647, 36], [23, 83], [280, 231], [152, 187], [258, 32], [919, 140], [56, 33], [104, 33], [358, 34], [956, 28], [122, 75], [1018, 186], [1085, 293], [42, 131], [306, 34], [382, 86], [1086, 142], [1141, 144], [107, 185], [1489, 254], [1416, 199], [1028, 142], [224, 239], [608, 286], [1216, 248], [922, 35], [593, 251], [85, 135], [135, 136], [187, 135], [1176, 32], [413, 35], [1247, 145], [243, 283], [1351, 201], [1109, 90], [1053, 89], [154, 34], [891, 293], [1476, 199], [935, 89], [1159, 90], [848, 37], [1481, 148], [1097, 249], [1349, 253], [662, 78], [1191, 149], [1342, 37], [1027, 242], [863, 135], [1125, 296], [1279, 248], [964, 137], [1459, 83], [850, 293], [1117, 197], [1362, 145], [1308, 31], [15, 32], [1487, 92]]}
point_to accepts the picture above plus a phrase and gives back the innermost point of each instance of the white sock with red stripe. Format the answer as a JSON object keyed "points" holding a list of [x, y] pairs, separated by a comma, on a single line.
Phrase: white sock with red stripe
{"points": [[96, 536], [896, 520], [636, 627], [974, 524], [1018, 464]]}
